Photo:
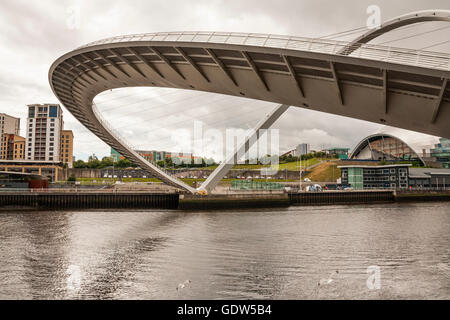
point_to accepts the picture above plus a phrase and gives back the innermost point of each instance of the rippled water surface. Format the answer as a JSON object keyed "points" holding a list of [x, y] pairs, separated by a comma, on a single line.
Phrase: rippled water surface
{"points": [[261, 254]]}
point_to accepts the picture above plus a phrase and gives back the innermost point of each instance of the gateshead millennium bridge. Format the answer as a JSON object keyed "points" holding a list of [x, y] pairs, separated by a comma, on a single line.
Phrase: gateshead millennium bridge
{"points": [[398, 87]]}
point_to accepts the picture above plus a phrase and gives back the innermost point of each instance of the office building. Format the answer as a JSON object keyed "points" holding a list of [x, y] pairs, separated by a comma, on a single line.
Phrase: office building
{"points": [[43, 132], [67, 148], [13, 147], [361, 177], [429, 178], [155, 156], [302, 149], [341, 153]]}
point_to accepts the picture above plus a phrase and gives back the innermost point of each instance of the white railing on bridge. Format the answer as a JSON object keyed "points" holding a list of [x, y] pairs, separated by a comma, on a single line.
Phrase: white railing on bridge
{"points": [[420, 58]]}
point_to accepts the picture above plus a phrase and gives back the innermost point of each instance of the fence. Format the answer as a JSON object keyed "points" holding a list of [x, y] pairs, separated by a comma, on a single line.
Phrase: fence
{"points": [[255, 185], [421, 58]]}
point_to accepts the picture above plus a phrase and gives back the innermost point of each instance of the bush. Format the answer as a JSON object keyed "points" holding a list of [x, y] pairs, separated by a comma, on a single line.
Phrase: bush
{"points": [[72, 178]]}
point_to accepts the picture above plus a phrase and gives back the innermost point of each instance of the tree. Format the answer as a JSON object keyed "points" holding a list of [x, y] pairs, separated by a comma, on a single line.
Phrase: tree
{"points": [[79, 164], [168, 162], [123, 163], [72, 178], [93, 163], [160, 163], [107, 162]]}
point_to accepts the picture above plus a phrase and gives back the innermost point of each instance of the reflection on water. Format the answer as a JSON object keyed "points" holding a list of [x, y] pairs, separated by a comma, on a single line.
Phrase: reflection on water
{"points": [[260, 254]]}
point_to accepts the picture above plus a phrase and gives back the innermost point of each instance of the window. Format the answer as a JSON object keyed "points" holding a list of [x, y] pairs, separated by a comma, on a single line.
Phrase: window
{"points": [[392, 171], [393, 178], [53, 112]]}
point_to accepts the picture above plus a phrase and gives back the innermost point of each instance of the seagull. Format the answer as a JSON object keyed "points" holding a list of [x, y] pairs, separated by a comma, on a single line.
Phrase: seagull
{"points": [[183, 285], [323, 282]]}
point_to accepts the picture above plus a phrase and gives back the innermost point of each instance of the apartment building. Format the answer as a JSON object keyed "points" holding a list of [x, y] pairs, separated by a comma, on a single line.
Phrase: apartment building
{"points": [[43, 132], [8, 124], [67, 148], [13, 147]]}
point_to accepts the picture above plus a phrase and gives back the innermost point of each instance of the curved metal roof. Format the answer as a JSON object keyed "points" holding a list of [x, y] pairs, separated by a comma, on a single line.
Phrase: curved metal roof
{"points": [[415, 145]]}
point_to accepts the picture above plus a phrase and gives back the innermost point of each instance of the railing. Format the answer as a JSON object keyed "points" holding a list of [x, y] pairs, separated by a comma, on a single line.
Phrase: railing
{"points": [[420, 58]]}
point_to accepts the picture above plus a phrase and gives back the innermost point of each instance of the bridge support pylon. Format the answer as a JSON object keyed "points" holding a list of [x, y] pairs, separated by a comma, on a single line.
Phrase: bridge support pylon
{"points": [[218, 174]]}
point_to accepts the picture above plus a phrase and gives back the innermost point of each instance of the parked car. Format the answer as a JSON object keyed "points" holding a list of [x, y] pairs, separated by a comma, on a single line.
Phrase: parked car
{"points": [[314, 188]]}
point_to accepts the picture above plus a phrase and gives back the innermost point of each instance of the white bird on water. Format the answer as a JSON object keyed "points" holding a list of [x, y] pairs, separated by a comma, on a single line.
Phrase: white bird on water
{"points": [[323, 282], [183, 285]]}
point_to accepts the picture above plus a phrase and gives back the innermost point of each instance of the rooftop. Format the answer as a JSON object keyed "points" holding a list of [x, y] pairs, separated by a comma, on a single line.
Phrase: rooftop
{"points": [[7, 115], [28, 162], [21, 174], [329, 149], [426, 172], [371, 167]]}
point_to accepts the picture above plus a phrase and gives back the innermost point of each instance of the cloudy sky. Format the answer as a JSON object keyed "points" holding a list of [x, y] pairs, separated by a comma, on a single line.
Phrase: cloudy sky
{"points": [[36, 33]]}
